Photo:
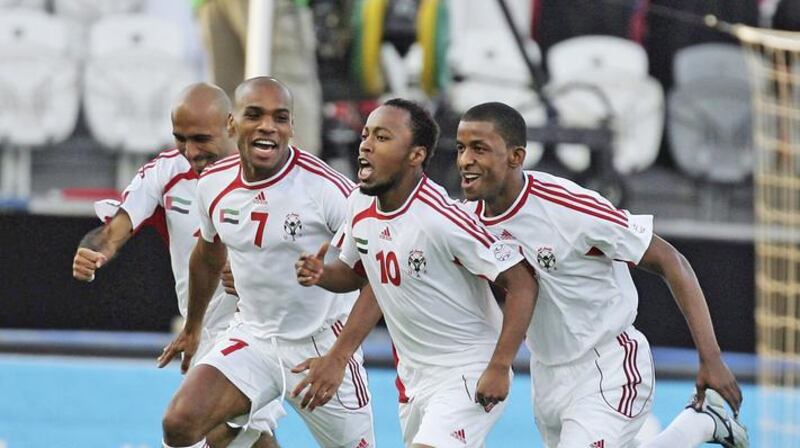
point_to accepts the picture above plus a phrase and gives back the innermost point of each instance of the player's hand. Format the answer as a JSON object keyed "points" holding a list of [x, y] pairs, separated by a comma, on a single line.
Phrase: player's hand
{"points": [[185, 343], [325, 375], [715, 374], [227, 280], [493, 386], [310, 268], [85, 263]]}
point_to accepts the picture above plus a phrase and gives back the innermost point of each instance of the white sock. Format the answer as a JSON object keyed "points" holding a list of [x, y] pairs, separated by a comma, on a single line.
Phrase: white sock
{"points": [[200, 444], [689, 429]]}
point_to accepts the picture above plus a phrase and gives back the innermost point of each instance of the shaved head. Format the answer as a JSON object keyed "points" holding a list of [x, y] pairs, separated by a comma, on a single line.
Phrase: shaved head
{"points": [[262, 82], [205, 99]]}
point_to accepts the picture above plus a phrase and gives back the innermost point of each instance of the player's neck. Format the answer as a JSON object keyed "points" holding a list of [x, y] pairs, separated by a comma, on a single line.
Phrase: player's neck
{"points": [[252, 173], [395, 197], [504, 199]]}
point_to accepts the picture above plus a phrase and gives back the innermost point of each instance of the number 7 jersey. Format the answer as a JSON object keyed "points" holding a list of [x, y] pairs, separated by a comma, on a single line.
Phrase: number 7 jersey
{"points": [[265, 226]]}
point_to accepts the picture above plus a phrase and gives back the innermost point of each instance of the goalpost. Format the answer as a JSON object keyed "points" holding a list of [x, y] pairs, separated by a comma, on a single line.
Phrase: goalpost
{"points": [[774, 59]]}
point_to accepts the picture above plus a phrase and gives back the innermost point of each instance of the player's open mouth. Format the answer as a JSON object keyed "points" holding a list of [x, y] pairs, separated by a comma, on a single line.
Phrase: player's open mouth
{"points": [[263, 145], [364, 169], [468, 179]]}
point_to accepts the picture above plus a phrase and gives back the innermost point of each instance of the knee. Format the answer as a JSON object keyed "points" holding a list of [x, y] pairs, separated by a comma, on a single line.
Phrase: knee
{"points": [[180, 427]]}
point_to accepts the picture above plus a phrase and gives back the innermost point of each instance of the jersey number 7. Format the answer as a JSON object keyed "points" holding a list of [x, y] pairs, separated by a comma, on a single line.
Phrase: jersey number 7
{"points": [[261, 218]]}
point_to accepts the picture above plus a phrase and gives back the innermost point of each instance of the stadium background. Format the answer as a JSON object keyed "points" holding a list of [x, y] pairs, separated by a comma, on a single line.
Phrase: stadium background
{"points": [[76, 369]]}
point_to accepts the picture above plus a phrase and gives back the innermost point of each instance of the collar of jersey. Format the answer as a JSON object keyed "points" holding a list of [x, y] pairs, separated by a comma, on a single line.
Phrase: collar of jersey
{"points": [[290, 163], [404, 207], [511, 211]]}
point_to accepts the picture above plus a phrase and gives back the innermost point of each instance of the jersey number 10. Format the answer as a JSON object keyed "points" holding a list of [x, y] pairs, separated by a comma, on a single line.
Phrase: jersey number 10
{"points": [[390, 268]]}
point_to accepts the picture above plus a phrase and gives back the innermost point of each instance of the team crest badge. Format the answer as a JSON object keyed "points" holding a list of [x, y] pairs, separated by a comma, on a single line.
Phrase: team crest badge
{"points": [[546, 258], [503, 252], [417, 264], [292, 227]]}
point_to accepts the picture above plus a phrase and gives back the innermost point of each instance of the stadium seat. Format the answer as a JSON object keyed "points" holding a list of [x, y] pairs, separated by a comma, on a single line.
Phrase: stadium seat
{"points": [[710, 119], [39, 92], [82, 14], [598, 77], [32, 4], [135, 69]]}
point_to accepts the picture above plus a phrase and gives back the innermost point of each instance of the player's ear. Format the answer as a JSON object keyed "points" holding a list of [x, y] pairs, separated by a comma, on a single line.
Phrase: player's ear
{"points": [[516, 156], [417, 155], [231, 128]]}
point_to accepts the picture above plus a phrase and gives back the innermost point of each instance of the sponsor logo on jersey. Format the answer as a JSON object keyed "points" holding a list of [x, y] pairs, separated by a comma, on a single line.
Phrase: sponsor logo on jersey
{"points": [[459, 435], [361, 244], [503, 252], [178, 204], [417, 264], [292, 227], [260, 199], [229, 215], [385, 235], [546, 258]]}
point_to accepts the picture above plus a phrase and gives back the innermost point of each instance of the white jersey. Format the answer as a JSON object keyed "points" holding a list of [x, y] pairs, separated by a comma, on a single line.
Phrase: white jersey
{"points": [[580, 246], [166, 188], [428, 263], [266, 225]]}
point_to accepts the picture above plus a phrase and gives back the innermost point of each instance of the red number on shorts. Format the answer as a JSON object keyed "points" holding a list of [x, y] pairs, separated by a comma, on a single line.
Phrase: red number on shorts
{"points": [[237, 345], [261, 217], [390, 268]]}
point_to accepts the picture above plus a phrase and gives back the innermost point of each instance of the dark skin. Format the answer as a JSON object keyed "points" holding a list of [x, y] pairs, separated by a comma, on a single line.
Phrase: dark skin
{"points": [[492, 171], [390, 168]]}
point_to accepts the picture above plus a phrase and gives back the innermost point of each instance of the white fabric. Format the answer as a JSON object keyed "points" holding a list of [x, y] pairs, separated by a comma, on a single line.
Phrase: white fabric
{"points": [[444, 413], [438, 309], [168, 185], [259, 368], [604, 396], [579, 245], [293, 212], [689, 429]]}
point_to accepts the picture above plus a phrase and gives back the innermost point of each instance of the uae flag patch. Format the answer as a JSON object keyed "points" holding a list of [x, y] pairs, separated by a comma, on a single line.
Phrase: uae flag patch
{"points": [[229, 215], [361, 245], [178, 204]]}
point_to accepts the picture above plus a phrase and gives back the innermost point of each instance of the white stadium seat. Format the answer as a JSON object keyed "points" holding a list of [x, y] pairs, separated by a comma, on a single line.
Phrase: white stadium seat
{"points": [[39, 91], [135, 69], [597, 76]]}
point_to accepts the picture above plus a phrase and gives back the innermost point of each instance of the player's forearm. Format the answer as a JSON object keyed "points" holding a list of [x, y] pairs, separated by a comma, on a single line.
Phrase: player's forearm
{"points": [[108, 239], [522, 290], [205, 267], [363, 317], [339, 277]]}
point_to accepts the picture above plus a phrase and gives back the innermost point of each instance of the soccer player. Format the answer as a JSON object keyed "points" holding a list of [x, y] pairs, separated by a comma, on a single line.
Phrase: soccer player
{"points": [[266, 205], [166, 186], [592, 370], [429, 264]]}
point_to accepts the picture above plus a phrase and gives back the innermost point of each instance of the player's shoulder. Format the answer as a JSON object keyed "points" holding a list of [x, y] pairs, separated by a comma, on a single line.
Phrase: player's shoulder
{"points": [[317, 172], [221, 168], [166, 161], [559, 190], [439, 208]]}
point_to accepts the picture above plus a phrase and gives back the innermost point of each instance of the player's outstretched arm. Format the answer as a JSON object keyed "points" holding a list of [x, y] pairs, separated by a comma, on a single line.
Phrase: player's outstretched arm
{"points": [[662, 259], [205, 266], [325, 374], [100, 245], [521, 292], [335, 277]]}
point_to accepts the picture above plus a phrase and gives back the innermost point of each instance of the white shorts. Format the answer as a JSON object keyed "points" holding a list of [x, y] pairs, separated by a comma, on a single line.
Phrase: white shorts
{"points": [[443, 412], [604, 396], [261, 369]]}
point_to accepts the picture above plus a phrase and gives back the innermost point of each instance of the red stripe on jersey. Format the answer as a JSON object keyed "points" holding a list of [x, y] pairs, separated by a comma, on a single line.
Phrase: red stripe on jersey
{"points": [[168, 154], [219, 166], [593, 212], [277, 177], [311, 168], [581, 199], [398, 383], [595, 252], [191, 174], [315, 161], [339, 243], [235, 183], [456, 211], [158, 221], [369, 212], [373, 212], [515, 207], [358, 268], [475, 235]]}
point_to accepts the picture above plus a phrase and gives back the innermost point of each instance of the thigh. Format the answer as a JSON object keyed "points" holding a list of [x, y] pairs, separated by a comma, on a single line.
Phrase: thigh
{"points": [[208, 398], [452, 418]]}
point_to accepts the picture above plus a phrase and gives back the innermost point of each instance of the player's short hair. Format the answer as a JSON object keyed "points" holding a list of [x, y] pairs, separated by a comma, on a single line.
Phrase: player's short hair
{"points": [[507, 121], [424, 130]]}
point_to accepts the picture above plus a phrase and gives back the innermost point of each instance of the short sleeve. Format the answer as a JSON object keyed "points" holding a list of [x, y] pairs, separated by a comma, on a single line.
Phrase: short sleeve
{"points": [[143, 195], [622, 239], [207, 230]]}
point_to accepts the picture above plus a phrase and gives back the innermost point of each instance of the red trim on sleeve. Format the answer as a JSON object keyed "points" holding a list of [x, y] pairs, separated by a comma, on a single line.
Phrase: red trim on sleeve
{"points": [[188, 175]]}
